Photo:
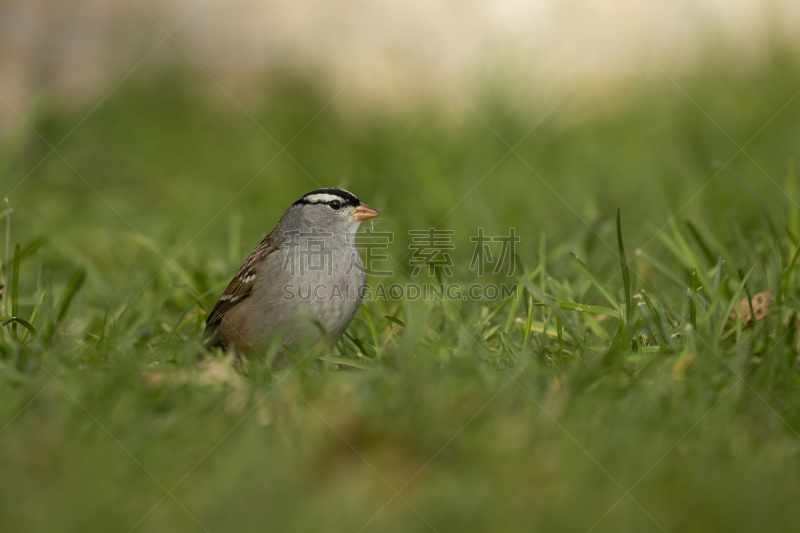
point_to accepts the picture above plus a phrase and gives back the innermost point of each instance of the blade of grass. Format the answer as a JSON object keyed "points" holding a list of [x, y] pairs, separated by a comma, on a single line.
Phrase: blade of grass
{"points": [[560, 334], [178, 324], [102, 335], [356, 342], [626, 278], [9, 211], [716, 294], [36, 310], [695, 233], [512, 313], [527, 324], [16, 320], [345, 361], [786, 275], [716, 286], [749, 297], [395, 320], [607, 295], [33, 247], [539, 327], [657, 317], [734, 300], [373, 331], [688, 253], [509, 348], [552, 305], [692, 295], [542, 268], [794, 201], [682, 251], [15, 290], [491, 332], [583, 308], [591, 322], [74, 285]]}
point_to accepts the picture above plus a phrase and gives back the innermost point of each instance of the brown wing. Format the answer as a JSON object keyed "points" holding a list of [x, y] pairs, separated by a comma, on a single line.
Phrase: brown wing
{"points": [[240, 287]]}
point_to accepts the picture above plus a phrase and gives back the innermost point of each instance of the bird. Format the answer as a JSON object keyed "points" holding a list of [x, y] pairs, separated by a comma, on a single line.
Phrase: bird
{"points": [[303, 283]]}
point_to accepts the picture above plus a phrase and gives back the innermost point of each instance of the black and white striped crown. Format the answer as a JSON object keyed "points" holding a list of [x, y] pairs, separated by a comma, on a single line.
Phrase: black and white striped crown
{"points": [[326, 196]]}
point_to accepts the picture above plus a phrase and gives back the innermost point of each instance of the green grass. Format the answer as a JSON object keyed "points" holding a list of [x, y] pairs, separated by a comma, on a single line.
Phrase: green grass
{"points": [[611, 393]]}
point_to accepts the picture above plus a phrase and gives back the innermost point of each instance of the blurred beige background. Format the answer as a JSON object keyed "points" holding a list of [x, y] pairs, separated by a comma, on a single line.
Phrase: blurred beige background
{"points": [[387, 53]]}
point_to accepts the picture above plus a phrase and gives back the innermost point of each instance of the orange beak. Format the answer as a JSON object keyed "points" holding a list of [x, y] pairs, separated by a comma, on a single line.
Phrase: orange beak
{"points": [[364, 212]]}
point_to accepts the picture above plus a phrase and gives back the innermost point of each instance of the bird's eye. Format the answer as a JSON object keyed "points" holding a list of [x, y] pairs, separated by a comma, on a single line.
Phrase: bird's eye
{"points": [[335, 205]]}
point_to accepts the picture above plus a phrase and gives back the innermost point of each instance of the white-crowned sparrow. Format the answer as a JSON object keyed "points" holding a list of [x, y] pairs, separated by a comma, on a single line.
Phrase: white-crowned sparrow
{"points": [[302, 284]]}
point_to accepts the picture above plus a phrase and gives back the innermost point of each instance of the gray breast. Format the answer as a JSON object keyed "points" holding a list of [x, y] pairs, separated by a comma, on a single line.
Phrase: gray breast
{"points": [[315, 290]]}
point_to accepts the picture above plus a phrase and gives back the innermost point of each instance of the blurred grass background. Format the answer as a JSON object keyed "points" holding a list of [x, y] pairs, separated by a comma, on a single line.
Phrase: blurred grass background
{"points": [[162, 188], [161, 171]]}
